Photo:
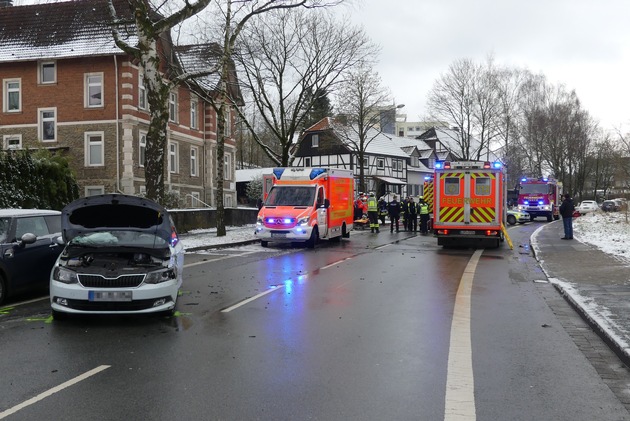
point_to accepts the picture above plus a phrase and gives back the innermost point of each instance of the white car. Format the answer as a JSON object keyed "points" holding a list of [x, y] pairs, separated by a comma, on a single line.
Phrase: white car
{"points": [[121, 256], [587, 206]]}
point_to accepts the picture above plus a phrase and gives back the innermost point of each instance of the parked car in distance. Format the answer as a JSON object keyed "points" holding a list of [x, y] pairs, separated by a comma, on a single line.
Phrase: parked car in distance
{"points": [[28, 249], [121, 256], [610, 206], [587, 206], [514, 216]]}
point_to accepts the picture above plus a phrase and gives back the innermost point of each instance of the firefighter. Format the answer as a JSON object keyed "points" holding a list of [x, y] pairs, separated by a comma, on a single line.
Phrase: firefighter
{"points": [[393, 208], [424, 215], [411, 216], [382, 209], [372, 205]]}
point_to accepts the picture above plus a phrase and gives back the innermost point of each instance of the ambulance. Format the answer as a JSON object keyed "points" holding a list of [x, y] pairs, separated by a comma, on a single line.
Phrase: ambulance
{"points": [[468, 203], [305, 205]]}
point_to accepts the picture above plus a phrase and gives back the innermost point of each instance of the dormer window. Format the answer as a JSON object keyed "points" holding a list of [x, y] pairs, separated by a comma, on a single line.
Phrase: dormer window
{"points": [[315, 140]]}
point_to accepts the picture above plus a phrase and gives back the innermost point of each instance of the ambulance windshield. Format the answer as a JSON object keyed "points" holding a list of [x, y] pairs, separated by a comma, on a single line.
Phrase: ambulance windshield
{"points": [[291, 196]]}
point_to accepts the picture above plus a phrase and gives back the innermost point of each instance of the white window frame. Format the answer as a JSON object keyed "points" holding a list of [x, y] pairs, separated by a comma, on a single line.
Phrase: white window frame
{"points": [[172, 107], [91, 84], [228, 119], [142, 93], [194, 161], [315, 140], [142, 148], [195, 199], [93, 190], [227, 166], [194, 113], [41, 120], [173, 157], [7, 138], [8, 91], [96, 139], [40, 72], [366, 162]]}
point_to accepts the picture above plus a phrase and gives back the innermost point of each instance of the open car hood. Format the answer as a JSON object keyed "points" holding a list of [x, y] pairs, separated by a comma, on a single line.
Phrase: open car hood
{"points": [[109, 212]]}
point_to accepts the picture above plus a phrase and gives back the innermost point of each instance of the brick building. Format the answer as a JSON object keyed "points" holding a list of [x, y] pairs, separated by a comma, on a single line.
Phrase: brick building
{"points": [[68, 88]]}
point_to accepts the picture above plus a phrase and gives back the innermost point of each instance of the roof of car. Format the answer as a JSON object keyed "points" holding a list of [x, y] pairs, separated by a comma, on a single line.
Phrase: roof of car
{"points": [[27, 212]]}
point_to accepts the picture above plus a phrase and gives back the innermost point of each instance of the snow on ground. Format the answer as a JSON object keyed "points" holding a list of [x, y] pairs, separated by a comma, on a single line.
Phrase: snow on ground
{"points": [[608, 231], [205, 237]]}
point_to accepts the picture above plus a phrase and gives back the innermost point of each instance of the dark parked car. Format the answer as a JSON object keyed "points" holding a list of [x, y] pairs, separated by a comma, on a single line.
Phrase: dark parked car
{"points": [[28, 249], [610, 206]]}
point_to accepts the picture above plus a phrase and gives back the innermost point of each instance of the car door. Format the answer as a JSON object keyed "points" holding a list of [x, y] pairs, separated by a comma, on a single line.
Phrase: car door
{"points": [[29, 265]]}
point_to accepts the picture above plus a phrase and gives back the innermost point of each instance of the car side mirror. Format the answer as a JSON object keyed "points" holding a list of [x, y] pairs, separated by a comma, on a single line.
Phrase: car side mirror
{"points": [[27, 238]]}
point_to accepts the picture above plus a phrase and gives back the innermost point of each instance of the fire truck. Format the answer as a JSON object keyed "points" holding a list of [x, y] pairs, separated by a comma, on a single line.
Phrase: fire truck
{"points": [[428, 195], [540, 197], [469, 203], [305, 205]]}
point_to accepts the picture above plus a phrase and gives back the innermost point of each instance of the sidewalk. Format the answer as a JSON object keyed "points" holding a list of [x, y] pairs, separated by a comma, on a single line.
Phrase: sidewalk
{"points": [[595, 283]]}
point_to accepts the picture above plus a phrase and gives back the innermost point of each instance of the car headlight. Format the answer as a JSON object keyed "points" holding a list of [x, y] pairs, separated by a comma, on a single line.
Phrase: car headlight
{"points": [[303, 221], [160, 276], [64, 275]]}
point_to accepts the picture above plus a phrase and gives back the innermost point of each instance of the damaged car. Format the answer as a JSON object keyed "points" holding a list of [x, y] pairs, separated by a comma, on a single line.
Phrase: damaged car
{"points": [[121, 255]]}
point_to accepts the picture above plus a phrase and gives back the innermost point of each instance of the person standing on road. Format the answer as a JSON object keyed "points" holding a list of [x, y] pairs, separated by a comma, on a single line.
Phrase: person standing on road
{"points": [[382, 209], [424, 215], [412, 211], [372, 205], [566, 211], [393, 208]]}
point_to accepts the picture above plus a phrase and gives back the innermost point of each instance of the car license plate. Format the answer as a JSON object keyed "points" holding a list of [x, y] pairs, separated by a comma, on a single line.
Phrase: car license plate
{"points": [[109, 296], [278, 235], [468, 232]]}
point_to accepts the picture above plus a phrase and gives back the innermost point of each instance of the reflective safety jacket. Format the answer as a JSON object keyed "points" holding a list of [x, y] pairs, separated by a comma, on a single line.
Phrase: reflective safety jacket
{"points": [[424, 209], [372, 204]]}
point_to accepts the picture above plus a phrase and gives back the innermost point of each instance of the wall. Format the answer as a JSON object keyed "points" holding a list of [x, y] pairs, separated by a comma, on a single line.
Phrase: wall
{"points": [[186, 220]]}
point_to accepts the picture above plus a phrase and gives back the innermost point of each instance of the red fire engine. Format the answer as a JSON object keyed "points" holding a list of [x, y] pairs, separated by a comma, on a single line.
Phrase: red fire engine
{"points": [[540, 197]]}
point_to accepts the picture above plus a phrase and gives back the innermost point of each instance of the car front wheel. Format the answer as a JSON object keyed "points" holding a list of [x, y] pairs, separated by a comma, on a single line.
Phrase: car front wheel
{"points": [[511, 219]]}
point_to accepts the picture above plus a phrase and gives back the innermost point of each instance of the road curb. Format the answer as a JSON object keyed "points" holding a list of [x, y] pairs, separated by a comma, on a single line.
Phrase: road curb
{"points": [[224, 245]]}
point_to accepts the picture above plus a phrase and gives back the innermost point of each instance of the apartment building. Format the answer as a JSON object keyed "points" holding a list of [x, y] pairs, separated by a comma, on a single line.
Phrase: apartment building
{"points": [[68, 88]]}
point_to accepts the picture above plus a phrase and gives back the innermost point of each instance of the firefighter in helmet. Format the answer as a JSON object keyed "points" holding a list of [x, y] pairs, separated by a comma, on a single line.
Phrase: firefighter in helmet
{"points": [[424, 215]]}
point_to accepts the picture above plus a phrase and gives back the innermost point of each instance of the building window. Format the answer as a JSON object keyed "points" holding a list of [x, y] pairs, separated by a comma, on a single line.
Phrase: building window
{"points": [[93, 90], [194, 167], [228, 125], [94, 190], [12, 142], [172, 107], [94, 149], [315, 140], [366, 162], [380, 163], [193, 113], [173, 165], [47, 72], [432, 163], [227, 201], [142, 149], [227, 167], [48, 124], [195, 199], [307, 162], [142, 93], [415, 162], [13, 95]]}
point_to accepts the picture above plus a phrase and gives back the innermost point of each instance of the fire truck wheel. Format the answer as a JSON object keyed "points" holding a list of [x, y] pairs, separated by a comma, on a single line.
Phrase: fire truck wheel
{"points": [[264, 243], [344, 232], [556, 217], [549, 218], [310, 243]]}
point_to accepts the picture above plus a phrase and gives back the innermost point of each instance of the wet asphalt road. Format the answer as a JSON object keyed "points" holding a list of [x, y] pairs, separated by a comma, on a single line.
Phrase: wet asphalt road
{"points": [[354, 331]]}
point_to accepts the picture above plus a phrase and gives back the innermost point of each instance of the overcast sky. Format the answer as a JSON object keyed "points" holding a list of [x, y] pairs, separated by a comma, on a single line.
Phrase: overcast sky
{"points": [[583, 44]]}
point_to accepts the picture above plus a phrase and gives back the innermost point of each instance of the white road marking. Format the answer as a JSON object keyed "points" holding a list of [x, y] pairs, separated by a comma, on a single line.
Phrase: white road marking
{"points": [[250, 299], [55, 389], [460, 384], [34, 300]]}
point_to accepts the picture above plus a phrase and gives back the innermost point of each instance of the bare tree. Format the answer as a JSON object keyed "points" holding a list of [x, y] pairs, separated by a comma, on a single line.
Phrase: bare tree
{"points": [[288, 58], [361, 102]]}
